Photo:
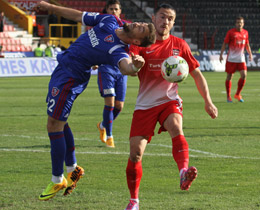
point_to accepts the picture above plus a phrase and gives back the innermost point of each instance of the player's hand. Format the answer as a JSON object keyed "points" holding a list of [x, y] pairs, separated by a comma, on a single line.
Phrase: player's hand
{"points": [[42, 5], [250, 57], [212, 110], [138, 61], [95, 67], [220, 58]]}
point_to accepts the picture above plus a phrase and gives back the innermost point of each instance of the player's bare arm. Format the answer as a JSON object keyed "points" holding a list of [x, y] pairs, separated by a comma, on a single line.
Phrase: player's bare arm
{"points": [[203, 89], [222, 51], [248, 49], [130, 66], [71, 14]]}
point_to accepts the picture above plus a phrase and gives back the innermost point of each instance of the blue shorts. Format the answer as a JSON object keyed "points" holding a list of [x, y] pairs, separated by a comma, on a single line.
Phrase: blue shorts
{"points": [[63, 90], [112, 83]]}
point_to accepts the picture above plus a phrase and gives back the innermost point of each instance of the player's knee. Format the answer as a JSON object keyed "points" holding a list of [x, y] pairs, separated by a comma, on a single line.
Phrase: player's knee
{"points": [[54, 125], [119, 106], [243, 76], [136, 157], [175, 129]]}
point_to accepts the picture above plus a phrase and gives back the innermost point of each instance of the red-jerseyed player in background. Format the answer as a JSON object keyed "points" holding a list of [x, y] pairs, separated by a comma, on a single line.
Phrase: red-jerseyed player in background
{"points": [[158, 101], [237, 40]]}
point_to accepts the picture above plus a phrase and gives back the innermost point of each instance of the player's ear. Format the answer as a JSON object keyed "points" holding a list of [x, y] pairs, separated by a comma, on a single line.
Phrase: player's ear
{"points": [[153, 19]]}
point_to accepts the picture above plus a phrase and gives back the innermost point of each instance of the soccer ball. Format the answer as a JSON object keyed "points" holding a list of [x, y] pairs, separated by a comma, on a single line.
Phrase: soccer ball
{"points": [[175, 69]]}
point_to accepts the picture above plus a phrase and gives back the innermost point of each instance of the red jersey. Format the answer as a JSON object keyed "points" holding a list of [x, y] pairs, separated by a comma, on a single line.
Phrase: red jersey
{"points": [[153, 89], [236, 40]]}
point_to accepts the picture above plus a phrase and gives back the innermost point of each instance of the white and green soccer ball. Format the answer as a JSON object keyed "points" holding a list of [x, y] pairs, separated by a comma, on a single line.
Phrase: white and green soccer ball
{"points": [[175, 69]]}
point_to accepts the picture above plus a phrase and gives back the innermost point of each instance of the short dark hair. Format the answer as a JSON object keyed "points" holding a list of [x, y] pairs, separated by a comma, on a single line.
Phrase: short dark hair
{"points": [[111, 2], [239, 18], [147, 41], [164, 6]]}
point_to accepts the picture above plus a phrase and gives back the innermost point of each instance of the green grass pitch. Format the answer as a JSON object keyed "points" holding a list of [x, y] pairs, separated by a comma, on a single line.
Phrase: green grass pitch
{"points": [[225, 150]]}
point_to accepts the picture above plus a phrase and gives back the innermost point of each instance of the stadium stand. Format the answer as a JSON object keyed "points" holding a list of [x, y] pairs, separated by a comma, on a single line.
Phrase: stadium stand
{"points": [[206, 22], [98, 6], [202, 23], [15, 39]]}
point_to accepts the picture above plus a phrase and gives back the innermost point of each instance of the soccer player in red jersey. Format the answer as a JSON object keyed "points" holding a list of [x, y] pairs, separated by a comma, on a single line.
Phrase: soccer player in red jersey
{"points": [[237, 40], [158, 101]]}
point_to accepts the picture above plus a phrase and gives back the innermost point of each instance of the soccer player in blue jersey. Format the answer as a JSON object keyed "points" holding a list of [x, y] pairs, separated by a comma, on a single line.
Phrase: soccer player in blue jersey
{"points": [[106, 43], [112, 87]]}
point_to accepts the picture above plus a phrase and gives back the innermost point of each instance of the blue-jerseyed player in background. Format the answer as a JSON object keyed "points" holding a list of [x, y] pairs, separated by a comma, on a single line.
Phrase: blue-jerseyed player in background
{"points": [[106, 43], [112, 87]]}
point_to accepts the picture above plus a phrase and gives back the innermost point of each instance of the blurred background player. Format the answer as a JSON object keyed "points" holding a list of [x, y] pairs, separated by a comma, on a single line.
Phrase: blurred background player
{"points": [[38, 51], [158, 101], [237, 40], [71, 76], [2, 21], [49, 51], [112, 87]]}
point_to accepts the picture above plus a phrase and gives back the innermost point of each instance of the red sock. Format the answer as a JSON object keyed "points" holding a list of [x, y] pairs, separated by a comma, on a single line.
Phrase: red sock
{"points": [[228, 87], [240, 85], [180, 151], [134, 172]]}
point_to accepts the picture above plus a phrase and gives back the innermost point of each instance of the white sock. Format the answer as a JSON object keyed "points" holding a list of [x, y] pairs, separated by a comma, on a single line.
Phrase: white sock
{"points": [[101, 126], [135, 199], [108, 137], [57, 179], [71, 168]]}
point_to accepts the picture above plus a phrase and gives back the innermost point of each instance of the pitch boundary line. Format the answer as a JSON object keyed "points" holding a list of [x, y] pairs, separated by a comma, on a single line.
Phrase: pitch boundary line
{"points": [[206, 154], [210, 155]]}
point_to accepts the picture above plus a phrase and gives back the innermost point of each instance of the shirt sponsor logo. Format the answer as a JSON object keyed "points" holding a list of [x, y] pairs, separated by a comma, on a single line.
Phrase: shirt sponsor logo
{"points": [[93, 37], [155, 64], [109, 91], [109, 38], [93, 13], [55, 91]]}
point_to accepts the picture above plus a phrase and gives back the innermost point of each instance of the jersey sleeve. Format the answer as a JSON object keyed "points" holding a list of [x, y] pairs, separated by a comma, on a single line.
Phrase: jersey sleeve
{"points": [[227, 37], [91, 18], [106, 22], [118, 55], [187, 55], [247, 38]]}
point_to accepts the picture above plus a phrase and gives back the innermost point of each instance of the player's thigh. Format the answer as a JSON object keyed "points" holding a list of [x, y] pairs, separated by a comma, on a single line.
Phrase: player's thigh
{"points": [[120, 87], [63, 90], [171, 117], [109, 101], [242, 68], [106, 84], [231, 67], [144, 122], [173, 124]]}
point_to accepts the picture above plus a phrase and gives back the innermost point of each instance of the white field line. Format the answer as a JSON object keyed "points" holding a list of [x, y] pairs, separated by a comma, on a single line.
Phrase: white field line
{"points": [[205, 154]]}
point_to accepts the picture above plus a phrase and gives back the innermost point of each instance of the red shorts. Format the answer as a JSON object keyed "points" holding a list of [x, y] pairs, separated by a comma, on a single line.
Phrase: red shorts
{"points": [[144, 121], [233, 67]]}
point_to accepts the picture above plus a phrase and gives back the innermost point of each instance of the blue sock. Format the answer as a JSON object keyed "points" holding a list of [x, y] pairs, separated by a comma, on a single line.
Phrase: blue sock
{"points": [[108, 119], [116, 112], [70, 157], [58, 150]]}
